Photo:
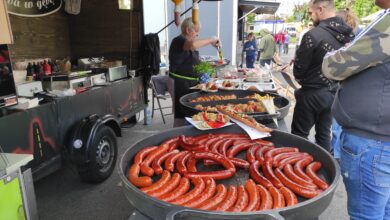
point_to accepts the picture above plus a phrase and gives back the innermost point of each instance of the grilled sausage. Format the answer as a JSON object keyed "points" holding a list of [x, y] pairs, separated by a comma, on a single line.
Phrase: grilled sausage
{"points": [[289, 172], [270, 175], [233, 151], [270, 154], [168, 187], [240, 163], [145, 165], [201, 139], [260, 153], [256, 175], [242, 200], [211, 203], [253, 195], [282, 156], [229, 200], [266, 198], [169, 163], [156, 165], [211, 141], [187, 145], [172, 142], [297, 189], [183, 187], [241, 141], [133, 177], [191, 165], [165, 177], [311, 172], [229, 171], [224, 146], [289, 196], [277, 198], [264, 142], [139, 157], [291, 160], [181, 163], [199, 186], [251, 153], [300, 165], [214, 148], [207, 193]]}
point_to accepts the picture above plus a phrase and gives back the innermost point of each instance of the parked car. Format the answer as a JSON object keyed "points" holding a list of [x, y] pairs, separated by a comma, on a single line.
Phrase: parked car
{"points": [[292, 31]]}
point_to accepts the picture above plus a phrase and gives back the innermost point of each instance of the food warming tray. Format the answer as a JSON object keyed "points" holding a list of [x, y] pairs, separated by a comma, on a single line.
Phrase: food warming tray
{"points": [[282, 103]]}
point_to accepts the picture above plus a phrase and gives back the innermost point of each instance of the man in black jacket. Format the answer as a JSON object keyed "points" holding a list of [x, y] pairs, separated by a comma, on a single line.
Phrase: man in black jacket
{"points": [[314, 99]]}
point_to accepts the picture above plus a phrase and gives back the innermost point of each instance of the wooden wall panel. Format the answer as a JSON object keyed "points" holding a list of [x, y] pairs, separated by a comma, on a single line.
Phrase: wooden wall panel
{"points": [[5, 28], [101, 29], [40, 37]]}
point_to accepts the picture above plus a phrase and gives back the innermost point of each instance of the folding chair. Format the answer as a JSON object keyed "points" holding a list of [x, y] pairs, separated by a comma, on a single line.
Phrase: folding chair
{"points": [[159, 89]]}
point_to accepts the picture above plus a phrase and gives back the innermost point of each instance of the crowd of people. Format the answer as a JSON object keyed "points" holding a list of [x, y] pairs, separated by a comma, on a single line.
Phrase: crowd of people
{"points": [[342, 71], [345, 93], [263, 48]]}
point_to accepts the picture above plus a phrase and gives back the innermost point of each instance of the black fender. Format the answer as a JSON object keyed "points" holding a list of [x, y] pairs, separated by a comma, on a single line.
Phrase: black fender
{"points": [[84, 132]]}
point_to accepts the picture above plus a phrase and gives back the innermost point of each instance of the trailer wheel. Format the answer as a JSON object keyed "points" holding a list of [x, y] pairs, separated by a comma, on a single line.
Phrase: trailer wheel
{"points": [[103, 154]]}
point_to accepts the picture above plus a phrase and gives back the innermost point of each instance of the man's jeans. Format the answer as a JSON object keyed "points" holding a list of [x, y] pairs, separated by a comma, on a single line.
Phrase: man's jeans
{"points": [[280, 47], [336, 133], [365, 167], [250, 61]]}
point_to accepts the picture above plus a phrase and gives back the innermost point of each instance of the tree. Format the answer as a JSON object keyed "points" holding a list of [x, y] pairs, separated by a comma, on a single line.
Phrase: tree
{"points": [[361, 8], [300, 13], [250, 19]]}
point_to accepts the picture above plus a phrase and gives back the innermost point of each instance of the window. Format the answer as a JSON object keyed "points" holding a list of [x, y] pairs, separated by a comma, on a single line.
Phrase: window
{"points": [[251, 27], [125, 4]]}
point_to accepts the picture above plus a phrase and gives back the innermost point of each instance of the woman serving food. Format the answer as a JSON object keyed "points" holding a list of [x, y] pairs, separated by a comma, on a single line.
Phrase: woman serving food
{"points": [[183, 55]]}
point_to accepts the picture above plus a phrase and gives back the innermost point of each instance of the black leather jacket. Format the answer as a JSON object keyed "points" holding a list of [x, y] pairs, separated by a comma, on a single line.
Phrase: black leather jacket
{"points": [[329, 35]]}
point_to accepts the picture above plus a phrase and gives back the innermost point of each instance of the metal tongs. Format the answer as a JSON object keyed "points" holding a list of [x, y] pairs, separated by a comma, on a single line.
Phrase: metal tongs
{"points": [[219, 49]]}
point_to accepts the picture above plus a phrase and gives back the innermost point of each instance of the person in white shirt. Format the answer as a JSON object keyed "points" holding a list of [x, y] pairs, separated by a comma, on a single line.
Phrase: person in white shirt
{"points": [[303, 32]]}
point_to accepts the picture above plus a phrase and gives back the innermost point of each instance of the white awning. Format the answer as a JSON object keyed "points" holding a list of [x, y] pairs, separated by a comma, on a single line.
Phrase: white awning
{"points": [[259, 7]]}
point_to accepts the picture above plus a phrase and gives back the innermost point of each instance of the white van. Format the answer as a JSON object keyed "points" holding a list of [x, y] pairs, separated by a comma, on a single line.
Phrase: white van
{"points": [[292, 31]]}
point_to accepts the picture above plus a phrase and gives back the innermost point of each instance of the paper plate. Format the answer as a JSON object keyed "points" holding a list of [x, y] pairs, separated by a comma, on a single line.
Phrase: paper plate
{"points": [[227, 88], [206, 90], [253, 79], [197, 124]]}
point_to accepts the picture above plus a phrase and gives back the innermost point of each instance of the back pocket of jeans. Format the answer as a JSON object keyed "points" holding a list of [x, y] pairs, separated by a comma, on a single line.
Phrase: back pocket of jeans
{"points": [[382, 169]]}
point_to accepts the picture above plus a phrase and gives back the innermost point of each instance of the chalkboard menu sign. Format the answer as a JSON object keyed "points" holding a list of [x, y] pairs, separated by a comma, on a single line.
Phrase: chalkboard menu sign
{"points": [[33, 8]]}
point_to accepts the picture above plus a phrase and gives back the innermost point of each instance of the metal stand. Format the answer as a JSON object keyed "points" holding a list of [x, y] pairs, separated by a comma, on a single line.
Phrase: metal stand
{"points": [[174, 20]]}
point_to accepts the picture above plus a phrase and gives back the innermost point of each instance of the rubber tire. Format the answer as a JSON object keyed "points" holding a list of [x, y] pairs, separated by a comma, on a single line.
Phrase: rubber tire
{"points": [[93, 173]]}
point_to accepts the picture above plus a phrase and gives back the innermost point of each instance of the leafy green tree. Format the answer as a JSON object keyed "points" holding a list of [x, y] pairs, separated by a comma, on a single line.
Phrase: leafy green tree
{"points": [[361, 8], [300, 13], [250, 19]]}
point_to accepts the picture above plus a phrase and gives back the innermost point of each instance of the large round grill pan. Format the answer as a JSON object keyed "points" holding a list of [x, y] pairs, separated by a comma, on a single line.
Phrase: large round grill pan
{"points": [[159, 210]]}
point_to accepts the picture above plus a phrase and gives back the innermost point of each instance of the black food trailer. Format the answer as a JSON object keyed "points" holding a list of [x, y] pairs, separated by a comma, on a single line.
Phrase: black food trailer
{"points": [[81, 128]]}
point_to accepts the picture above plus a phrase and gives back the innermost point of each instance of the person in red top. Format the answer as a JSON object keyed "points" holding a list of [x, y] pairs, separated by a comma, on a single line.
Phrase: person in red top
{"points": [[280, 38], [4, 55]]}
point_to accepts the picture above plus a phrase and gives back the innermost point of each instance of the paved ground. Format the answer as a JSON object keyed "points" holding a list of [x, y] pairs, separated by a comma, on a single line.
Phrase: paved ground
{"points": [[63, 196]]}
